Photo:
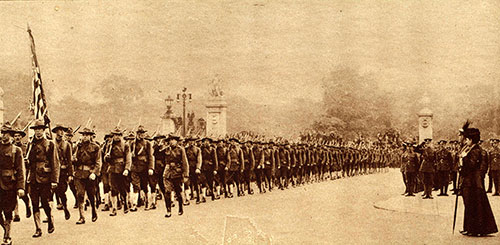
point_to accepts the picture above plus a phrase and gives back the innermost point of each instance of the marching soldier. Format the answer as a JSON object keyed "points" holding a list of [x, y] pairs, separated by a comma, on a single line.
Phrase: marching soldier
{"points": [[120, 161], [12, 180], [193, 154], [157, 177], [249, 160], [209, 165], [176, 172], [222, 160], [236, 166], [87, 167], [284, 165], [105, 148], [18, 136], [258, 153], [142, 167], [268, 165], [65, 156], [43, 175], [69, 138]]}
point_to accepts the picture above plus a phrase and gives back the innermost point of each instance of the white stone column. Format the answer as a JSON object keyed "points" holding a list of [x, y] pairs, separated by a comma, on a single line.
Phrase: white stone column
{"points": [[424, 125], [216, 117]]}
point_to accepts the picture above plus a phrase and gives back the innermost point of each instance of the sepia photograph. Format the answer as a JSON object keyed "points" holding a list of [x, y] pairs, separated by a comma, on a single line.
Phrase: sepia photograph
{"points": [[249, 122]]}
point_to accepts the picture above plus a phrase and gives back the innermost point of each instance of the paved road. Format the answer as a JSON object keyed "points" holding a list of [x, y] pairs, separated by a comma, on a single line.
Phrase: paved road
{"points": [[333, 212]]}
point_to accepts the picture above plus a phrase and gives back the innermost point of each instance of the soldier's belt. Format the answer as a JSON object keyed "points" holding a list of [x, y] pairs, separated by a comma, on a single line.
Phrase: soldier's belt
{"points": [[142, 158], [84, 167], [118, 161]]}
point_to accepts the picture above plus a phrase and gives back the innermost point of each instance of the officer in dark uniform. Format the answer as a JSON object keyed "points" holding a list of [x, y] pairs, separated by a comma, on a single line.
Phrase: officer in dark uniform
{"points": [[120, 161], [65, 156], [209, 165], [12, 179], [176, 172], [444, 163], [18, 136], [428, 168], [410, 160], [43, 175], [494, 162], [142, 167], [87, 167]]}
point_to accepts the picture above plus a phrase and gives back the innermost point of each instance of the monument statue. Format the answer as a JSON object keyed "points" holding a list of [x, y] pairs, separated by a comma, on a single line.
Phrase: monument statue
{"points": [[215, 87]]}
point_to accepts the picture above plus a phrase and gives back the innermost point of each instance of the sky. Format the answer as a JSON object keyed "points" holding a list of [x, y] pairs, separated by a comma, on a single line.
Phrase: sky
{"points": [[269, 52]]}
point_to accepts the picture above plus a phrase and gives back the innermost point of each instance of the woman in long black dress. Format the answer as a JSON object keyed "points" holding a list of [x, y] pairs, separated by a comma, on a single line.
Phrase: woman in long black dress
{"points": [[478, 217]]}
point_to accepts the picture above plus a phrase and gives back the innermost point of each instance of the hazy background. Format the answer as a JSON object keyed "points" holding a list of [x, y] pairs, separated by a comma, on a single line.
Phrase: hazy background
{"points": [[287, 66]]}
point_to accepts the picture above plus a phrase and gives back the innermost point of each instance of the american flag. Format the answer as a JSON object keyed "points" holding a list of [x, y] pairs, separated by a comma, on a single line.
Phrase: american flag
{"points": [[39, 104]]}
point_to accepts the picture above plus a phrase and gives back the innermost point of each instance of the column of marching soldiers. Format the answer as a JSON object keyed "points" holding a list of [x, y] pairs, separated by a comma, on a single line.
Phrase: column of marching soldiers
{"points": [[128, 169]]}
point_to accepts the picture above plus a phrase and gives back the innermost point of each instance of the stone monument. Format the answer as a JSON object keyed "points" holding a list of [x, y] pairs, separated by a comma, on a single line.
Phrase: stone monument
{"points": [[425, 121], [1, 105], [167, 121], [216, 111]]}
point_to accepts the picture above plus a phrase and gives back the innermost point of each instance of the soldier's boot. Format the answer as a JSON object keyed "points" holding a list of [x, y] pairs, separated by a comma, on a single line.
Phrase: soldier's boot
{"points": [[445, 190], [198, 201], [141, 199], [94, 214], [134, 197], [81, 220], [106, 202], [114, 203], [126, 206], [38, 224], [26, 201], [51, 227], [6, 237], [16, 214], [490, 187], [203, 194], [183, 197], [181, 207]]}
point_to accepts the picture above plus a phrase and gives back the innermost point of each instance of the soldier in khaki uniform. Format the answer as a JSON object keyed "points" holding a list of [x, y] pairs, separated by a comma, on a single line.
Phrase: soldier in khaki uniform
{"points": [[65, 156], [236, 166], [193, 154], [157, 177], [210, 165], [120, 160], [87, 167], [12, 179], [43, 175], [176, 173], [142, 167], [18, 136]]}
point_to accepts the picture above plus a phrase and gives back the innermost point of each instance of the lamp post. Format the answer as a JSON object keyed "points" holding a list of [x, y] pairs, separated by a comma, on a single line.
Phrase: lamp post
{"points": [[184, 96], [168, 101]]}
